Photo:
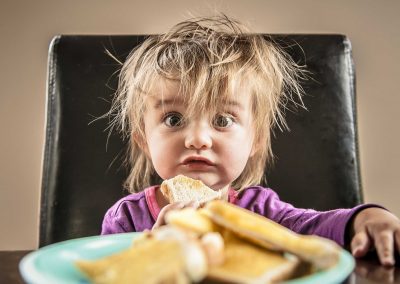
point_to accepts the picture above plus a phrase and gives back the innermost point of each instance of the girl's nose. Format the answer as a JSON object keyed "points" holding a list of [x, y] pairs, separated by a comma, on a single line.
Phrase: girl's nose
{"points": [[198, 135]]}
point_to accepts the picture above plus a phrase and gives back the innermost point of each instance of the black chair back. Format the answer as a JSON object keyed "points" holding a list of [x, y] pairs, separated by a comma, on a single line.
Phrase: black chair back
{"points": [[317, 164]]}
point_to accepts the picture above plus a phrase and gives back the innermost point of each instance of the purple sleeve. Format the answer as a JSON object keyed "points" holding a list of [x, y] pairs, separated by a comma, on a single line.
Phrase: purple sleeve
{"points": [[329, 224], [130, 214], [116, 223]]}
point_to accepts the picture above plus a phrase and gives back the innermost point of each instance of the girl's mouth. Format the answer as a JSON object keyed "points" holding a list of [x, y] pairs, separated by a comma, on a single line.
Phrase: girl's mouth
{"points": [[197, 163], [193, 160]]}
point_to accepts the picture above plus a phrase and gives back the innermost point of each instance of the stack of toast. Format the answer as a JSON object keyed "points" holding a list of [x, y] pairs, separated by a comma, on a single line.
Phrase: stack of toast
{"points": [[219, 242]]}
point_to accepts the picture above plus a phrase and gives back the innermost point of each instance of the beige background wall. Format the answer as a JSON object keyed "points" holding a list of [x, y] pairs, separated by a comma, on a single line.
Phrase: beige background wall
{"points": [[26, 28]]}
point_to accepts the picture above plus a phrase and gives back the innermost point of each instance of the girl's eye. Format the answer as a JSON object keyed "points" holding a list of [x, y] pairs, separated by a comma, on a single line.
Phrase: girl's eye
{"points": [[173, 119], [223, 121]]}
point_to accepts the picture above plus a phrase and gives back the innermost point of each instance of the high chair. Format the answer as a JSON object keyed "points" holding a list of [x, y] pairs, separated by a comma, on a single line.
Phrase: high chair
{"points": [[316, 162]]}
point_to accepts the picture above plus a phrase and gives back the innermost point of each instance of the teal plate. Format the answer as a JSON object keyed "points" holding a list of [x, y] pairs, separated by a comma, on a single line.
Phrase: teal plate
{"points": [[55, 263]]}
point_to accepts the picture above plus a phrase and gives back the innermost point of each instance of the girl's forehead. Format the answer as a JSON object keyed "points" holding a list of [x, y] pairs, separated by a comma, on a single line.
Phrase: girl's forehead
{"points": [[164, 88], [163, 92]]}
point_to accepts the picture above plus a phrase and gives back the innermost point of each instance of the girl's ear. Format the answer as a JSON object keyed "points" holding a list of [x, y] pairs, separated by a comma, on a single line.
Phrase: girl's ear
{"points": [[141, 141]]}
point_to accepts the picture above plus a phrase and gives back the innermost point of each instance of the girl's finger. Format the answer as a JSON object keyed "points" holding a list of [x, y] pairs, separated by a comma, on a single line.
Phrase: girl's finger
{"points": [[360, 244], [397, 240], [161, 216], [193, 204], [384, 244]]}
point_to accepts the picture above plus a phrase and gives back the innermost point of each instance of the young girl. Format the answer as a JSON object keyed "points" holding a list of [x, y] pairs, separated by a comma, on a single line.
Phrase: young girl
{"points": [[201, 100]]}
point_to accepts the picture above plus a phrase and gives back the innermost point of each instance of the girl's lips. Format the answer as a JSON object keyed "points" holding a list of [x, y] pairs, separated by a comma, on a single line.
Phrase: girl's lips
{"points": [[196, 165], [191, 161]]}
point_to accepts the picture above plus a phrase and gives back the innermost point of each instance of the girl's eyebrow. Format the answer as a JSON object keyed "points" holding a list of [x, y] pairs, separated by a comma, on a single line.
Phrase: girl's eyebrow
{"points": [[166, 102], [233, 103]]}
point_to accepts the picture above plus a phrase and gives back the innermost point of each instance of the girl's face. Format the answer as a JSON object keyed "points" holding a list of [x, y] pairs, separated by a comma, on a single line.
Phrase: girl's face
{"points": [[212, 147]]}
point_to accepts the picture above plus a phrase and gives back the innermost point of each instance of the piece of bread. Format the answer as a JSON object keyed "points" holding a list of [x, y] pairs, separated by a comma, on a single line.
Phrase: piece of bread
{"points": [[150, 261], [190, 219], [165, 255], [246, 262], [185, 189], [321, 252]]}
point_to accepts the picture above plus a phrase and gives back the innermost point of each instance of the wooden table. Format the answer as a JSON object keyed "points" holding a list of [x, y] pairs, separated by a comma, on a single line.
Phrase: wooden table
{"points": [[367, 270]]}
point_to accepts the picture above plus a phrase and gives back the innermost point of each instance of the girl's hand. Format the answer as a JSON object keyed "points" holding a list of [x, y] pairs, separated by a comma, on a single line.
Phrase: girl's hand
{"points": [[173, 206], [379, 229]]}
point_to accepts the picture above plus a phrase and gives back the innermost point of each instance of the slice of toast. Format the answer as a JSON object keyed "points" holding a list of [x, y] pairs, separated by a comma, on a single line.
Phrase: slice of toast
{"points": [[246, 262], [191, 219], [185, 189], [164, 255], [321, 252], [151, 261]]}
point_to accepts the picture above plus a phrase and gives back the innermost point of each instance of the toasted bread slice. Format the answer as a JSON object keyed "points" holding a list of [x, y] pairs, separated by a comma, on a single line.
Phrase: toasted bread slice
{"points": [[191, 219], [151, 261], [165, 255], [185, 189], [246, 262], [321, 252]]}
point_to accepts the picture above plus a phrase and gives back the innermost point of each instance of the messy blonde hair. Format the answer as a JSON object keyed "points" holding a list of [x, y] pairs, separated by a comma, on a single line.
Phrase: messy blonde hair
{"points": [[208, 57]]}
